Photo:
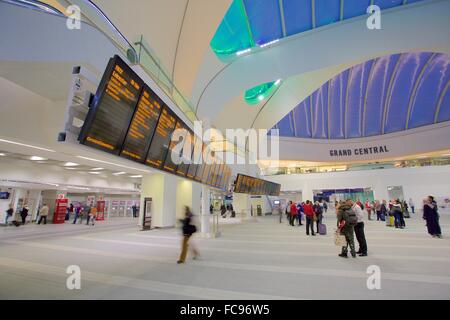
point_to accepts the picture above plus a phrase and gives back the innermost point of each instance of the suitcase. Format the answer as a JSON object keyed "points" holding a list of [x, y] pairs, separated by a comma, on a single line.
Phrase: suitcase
{"points": [[382, 217], [322, 229], [16, 223], [391, 221], [406, 214]]}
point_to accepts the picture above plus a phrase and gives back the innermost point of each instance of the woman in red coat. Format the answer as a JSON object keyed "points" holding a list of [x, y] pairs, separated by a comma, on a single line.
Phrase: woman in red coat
{"points": [[309, 213], [293, 214]]}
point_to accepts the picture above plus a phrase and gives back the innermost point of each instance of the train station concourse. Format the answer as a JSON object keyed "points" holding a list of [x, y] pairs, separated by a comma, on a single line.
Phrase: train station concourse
{"points": [[225, 150]]}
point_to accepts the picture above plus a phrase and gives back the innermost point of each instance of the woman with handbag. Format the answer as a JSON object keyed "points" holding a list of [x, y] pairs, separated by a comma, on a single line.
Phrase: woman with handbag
{"points": [[188, 229]]}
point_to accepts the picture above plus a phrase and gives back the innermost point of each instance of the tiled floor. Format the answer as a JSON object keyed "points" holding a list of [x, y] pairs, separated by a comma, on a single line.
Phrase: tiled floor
{"points": [[251, 260]]}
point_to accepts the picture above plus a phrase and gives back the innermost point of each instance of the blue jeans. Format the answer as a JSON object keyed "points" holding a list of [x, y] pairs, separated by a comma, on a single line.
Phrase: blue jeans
{"points": [[6, 219], [398, 219]]}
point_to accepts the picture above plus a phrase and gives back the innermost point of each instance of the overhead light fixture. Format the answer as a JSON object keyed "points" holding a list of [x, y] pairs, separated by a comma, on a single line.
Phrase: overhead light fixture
{"points": [[2, 154], [96, 169], [422, 157], [278, 82], [269, 43], [260, 97], [71, 164], [240, 53], [119, 173], [26, 145], [136, 176], [77, 188], [94, 172], [36, 158], [114, 164], [70, 168]]}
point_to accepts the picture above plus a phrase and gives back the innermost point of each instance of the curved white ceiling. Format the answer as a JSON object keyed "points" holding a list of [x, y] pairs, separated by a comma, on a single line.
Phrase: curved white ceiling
{"points": [[323, 53]]}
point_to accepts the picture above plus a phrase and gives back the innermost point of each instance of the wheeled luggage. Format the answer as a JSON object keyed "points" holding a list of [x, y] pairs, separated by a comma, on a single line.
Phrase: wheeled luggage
{"points": [[406, 214], [322, 229], [391, 221], [382, 217]]}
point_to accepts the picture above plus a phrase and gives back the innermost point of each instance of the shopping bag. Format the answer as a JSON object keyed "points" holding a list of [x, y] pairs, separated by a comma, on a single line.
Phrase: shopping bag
{"points": [[339, 239]]}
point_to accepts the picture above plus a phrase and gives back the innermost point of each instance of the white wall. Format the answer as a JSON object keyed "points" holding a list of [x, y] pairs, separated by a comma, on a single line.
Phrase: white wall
{"points": [[417, 182]]}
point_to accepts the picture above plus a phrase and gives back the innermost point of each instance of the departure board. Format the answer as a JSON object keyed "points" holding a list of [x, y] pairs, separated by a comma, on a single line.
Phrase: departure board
{"points": [[255, 186], [186, 154], [161, 138], [113, 106], [127, 118], [196, 156], [173, 158], [142, 127]]}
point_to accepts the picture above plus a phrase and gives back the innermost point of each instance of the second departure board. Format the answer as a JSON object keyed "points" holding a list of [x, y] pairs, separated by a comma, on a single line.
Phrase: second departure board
{"points": [[113, 106], [255, 186], [161, 138], [142, 126], [173, 158]]}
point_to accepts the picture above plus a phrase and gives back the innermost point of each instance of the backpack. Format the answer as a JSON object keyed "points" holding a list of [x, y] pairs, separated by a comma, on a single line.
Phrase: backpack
{"points": [[350, 217]]}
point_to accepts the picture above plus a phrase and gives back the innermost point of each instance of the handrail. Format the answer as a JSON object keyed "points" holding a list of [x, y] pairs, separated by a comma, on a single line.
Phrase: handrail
{"points": [[35, 5]]}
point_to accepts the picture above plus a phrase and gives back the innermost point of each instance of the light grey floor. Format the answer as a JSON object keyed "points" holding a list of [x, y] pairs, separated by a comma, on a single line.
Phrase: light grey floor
{"points": [[252, 260]]}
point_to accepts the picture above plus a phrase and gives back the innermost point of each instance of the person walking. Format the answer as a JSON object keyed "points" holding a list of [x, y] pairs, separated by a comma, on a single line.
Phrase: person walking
{"points": [[411, 205], [280, 212], [318, 211], [135, 210], [300, 213], [398, 212], [431, 216], [288, 211], [309, 213], [293, 213], [359, 229], [43, 213], [9, 214], [369, 209], [24, 214], [92, 216], [347, 220], [325, 206], [188, 229]]}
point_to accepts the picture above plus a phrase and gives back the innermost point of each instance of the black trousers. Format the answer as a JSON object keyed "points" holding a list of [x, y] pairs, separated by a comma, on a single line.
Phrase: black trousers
{"points": [[309, 225], [361, 237], [42, 218]]}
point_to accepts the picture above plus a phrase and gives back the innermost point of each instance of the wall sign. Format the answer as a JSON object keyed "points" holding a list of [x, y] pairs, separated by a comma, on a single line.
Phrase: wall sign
{"points": [[359, 151]]}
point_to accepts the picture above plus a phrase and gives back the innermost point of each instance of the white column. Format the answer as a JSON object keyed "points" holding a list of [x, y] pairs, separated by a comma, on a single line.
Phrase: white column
{"points": [[162, 189], [205, 216]]}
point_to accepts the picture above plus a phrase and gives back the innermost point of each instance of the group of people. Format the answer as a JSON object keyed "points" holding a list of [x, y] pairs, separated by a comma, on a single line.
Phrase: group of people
{"points": [[24, 212], [80, 211], [312, 212], [382, 208]]}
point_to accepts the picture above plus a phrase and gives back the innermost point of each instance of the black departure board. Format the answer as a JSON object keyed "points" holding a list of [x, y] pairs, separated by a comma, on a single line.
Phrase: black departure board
{"points": [[173, 157], [255, 186], [112, 108], [161, 138], [142, 127], [127, 118], [186, 153], [196, 156]]}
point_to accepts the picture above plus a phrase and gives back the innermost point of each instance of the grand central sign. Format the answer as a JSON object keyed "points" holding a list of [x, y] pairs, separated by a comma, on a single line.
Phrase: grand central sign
{"points": [[358, 151]]}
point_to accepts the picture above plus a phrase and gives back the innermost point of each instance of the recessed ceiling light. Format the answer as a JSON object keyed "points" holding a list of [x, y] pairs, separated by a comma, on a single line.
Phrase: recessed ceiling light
{"points": [[2, 154], [136, 176], [71, 168], [115, 164], [36, 158], [26, 145], [71, 164], [95, 169], [94, 172], [119, 173]]}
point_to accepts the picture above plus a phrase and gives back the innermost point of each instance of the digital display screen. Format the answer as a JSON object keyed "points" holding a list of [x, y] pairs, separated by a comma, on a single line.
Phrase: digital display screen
{"points": [[173, 157], [127, 118], [113, 106], [142, 126], [255, 186], [161, 138], [187, 149], [196, 154]]}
